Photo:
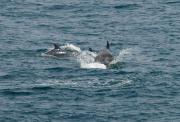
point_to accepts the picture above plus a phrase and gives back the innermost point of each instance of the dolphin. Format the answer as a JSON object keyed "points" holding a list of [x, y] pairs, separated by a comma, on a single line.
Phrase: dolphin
{"points": [[63, 51], [104, 56], [57, 51]]}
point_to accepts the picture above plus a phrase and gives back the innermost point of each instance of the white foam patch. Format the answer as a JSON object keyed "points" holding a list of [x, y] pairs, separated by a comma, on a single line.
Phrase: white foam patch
{"points": [[124, 82], [94, 65]]}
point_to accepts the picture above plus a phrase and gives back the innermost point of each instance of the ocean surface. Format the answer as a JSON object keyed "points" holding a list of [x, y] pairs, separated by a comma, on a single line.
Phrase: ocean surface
{"points": [[144, 86]]}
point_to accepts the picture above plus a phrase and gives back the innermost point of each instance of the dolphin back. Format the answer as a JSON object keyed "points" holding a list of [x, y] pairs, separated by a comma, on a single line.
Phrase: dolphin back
{"points": [[104, 57]]}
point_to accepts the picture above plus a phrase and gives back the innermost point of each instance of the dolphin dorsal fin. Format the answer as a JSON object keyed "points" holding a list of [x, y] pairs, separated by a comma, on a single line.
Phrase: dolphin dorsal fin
{"points": [[56, 46], [108, 46]]}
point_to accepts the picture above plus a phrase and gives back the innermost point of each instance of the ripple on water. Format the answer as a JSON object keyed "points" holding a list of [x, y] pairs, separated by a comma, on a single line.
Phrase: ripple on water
{"points": [[15, 92], [127, 6], [82, 83]]}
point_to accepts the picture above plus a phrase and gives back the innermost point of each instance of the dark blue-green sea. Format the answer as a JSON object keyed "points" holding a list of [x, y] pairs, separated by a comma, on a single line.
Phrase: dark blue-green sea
{"points": [[144, 86]]}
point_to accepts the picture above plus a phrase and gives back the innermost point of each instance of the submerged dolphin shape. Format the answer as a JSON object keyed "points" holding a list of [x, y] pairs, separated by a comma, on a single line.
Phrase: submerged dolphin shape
{"points": [[104, 56]]}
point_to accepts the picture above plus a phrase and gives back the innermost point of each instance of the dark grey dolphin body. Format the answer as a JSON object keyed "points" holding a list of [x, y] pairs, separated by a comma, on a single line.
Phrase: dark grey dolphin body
{"points": [[104, 56], [59, 52]]}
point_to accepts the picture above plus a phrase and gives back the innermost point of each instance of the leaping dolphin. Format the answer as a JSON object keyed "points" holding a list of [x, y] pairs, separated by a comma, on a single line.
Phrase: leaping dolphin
{"points": [[104, 56]]}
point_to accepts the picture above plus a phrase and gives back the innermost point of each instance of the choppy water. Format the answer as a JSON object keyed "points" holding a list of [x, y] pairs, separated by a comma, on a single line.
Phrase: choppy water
{"points": [[143, 86]]}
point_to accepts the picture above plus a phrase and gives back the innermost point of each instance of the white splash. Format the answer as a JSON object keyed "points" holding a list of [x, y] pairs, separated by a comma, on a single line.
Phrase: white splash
{"points": [[86, 57], [87, 60], [71, 47], [122, 55]]}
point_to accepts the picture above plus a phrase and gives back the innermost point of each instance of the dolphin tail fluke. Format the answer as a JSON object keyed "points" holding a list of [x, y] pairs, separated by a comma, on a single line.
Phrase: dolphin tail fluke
{"points": [[56, 46], [108, 46]]}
